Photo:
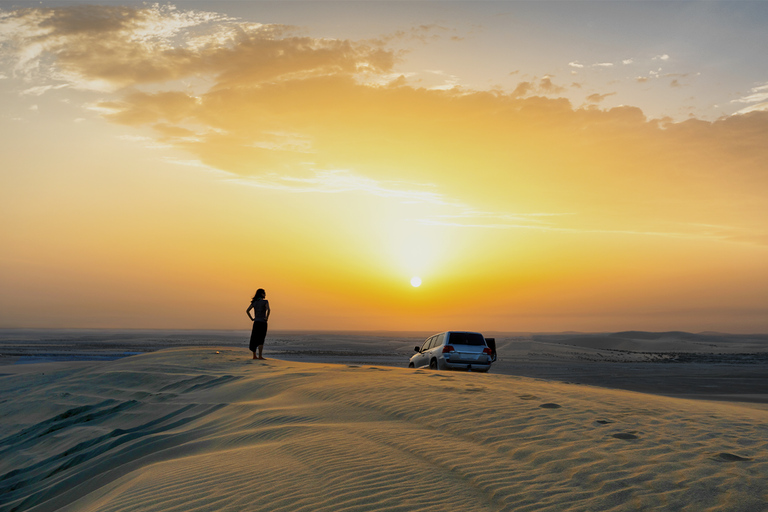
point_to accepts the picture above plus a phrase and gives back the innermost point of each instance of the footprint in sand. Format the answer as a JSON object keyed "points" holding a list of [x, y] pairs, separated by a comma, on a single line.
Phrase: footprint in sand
{"points": [[550, 406], [729, 457], [527, 397], [625, 435], [603, 422]]}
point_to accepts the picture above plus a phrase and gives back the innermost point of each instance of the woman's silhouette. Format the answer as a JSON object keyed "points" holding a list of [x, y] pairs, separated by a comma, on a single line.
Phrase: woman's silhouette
{"points": [[260, 307]]}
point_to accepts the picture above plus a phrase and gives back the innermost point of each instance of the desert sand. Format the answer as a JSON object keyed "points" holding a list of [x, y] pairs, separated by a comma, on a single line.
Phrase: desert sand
{"points": [[208, 429]]}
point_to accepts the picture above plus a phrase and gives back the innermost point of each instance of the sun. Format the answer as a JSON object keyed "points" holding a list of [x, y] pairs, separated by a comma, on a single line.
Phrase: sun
{"points": [[415, 281]]}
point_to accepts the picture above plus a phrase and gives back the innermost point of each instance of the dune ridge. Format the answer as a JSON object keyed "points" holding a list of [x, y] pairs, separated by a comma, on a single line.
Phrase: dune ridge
{"points": [[195, 430]]}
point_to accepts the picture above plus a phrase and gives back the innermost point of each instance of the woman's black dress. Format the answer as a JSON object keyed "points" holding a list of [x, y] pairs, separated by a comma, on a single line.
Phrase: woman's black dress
{"points": [[259, 331]]}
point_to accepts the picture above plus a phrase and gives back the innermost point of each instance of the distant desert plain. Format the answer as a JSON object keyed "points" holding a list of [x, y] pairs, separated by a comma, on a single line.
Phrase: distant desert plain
{"points": [[335, 421]]}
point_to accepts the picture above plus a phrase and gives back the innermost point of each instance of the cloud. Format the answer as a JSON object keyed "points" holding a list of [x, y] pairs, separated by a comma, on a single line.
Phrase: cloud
{"points": [[661, 57], [597, 98], [759, 107], [275, 110], [543, 86], [576, 65], [101, 44], [627, 61], [546, 86], [41, 89], [602, 65], [449, 81], [758, 97], [759, 93], [522, 89], [112, 46], [537, 153]]}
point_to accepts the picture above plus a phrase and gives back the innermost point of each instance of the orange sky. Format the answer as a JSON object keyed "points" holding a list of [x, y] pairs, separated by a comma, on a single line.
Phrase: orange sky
{"points": [[161, 164]]}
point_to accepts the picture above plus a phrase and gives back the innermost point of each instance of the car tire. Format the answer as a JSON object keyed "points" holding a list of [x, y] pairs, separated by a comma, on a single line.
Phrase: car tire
{"points": [[433, 364], [410, 365]]}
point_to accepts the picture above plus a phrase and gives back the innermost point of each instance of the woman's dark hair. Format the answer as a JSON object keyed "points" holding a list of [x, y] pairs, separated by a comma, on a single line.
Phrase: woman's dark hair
{"points": [[260, 294]]}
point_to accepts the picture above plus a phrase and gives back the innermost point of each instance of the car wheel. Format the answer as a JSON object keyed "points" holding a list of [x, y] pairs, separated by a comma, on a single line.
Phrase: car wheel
{"points": [[410, 365], [433, 364]]}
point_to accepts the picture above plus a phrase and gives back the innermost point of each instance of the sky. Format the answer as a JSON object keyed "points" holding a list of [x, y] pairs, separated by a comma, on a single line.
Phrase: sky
{"points": [[540, 166]]}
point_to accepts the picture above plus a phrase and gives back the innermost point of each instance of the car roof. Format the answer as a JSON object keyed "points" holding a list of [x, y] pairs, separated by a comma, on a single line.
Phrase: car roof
{"points": [[450, 332]]}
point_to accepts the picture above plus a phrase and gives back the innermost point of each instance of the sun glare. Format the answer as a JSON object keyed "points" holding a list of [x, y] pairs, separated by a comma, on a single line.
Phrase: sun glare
{"points": [[415, 281]]}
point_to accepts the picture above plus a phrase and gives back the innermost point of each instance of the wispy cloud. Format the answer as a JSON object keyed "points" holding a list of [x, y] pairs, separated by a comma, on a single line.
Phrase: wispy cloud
{"points": [[41, 89], [758, 97], [344, 181], [534, 222], [759, 93], [597, 98]]}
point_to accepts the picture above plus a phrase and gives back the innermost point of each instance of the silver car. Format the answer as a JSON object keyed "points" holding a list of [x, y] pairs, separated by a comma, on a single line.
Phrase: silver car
{"points": [[455, 350]]}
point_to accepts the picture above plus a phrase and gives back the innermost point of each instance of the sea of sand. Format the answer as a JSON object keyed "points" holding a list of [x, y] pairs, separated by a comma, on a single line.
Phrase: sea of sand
{"points": [[335, 421]]}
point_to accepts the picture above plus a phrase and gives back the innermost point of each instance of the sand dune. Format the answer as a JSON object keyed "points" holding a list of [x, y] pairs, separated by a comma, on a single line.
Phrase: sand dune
{"points": [[195, 430]]}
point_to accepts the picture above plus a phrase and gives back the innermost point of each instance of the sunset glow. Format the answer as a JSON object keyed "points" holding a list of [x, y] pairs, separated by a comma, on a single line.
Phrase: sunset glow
{"points": [[543, 166]]}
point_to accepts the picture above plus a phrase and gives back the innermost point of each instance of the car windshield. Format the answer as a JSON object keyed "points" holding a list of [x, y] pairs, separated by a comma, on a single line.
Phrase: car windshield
{"points": [[466, 338]]}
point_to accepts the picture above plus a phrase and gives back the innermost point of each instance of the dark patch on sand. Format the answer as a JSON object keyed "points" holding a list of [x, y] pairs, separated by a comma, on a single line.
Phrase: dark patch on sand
{"points": [[625, 436], [550, 406]]}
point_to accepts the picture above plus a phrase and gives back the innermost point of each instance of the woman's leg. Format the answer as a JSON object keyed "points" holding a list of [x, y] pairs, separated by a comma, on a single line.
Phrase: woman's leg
{"points": [[261, 347]]}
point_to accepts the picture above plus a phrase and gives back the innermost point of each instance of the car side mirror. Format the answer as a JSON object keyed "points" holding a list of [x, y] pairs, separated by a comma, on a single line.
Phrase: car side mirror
{"points": [[416, 349]]}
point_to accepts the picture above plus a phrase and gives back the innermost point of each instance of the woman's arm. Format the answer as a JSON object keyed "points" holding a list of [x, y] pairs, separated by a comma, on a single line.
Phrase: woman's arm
{"points": [[266, 313], [248, 312]]}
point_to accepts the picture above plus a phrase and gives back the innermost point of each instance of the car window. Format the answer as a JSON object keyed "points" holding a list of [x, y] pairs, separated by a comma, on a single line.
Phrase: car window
{"points": [[439, 339], [466, 338], [425, 346]]}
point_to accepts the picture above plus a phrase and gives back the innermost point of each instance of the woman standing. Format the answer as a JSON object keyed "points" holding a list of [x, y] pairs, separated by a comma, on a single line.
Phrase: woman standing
{"points": [[260, 307]]}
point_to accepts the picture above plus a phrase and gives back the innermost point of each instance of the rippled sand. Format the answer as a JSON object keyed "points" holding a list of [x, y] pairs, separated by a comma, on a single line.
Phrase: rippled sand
{"points": [[196, 430]]}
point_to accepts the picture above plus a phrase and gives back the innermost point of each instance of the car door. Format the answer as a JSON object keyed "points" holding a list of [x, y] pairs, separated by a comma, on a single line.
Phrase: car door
{"points": [[422, 358], [436, 349]]}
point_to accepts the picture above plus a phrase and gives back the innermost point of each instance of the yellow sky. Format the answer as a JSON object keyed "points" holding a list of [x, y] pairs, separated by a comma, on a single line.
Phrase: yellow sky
{"points": [[161, 164]]}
